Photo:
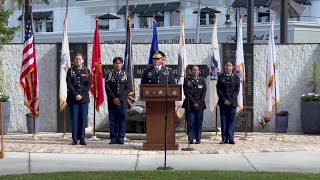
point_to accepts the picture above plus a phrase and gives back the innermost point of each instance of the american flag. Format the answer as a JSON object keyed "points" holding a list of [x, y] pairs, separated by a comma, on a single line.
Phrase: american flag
{"points": [[29, 74]]}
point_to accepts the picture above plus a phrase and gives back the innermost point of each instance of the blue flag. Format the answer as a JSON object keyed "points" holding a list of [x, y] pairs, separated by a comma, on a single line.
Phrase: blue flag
{"points": [[128, 67], [154, 45]]}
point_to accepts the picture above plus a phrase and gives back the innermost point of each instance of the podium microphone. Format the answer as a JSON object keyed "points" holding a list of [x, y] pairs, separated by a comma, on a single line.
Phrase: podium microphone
{"points": [[165, 167]]}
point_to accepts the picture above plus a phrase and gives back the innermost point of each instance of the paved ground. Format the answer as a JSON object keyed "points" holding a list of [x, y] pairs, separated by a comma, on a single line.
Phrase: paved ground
{"points": [[53, 143], [297, 153]]}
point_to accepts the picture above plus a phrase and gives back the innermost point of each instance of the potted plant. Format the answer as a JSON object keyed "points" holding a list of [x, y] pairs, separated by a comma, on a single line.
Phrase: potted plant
{"points": [[282, 122], [30, 123], [310, 104], [4, 100]]}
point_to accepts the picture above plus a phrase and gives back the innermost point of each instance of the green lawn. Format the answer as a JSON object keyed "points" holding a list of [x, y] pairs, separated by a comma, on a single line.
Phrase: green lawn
{"points": [[154, 175]]}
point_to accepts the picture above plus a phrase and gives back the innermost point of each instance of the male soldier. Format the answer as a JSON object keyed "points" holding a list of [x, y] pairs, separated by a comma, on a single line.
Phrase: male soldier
{"points": [[118, 86], [158, 74]]}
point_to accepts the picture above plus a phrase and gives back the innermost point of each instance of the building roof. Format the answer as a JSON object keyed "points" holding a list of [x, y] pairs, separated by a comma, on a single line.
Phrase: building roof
{"points": [[171, 6], [123, 9], [263, 3], [154, 8], [39, 15], [140, 8]]}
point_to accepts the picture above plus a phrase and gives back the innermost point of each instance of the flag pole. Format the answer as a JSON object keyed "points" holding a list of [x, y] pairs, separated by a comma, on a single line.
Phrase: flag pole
{"points": [[94, 71], [185, 137], [94, 137], [65, 111], [216, 136], [246, 137], [277, 137], [34, 134], [2, 140], [65, 124]]}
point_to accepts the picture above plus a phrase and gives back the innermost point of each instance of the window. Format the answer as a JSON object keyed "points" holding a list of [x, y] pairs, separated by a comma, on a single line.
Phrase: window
{"points": [[37, 2], [131, 16], [206, 19], [174, 19], [49, 26], [103, 24], [211, 18], [38, 26], [144, 22], [263, 15], [203, 18], [160, 21]]}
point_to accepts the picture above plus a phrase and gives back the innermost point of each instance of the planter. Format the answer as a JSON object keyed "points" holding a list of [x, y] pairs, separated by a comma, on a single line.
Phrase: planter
{"points": [[282, 124], [5, 116], [30, 125], [310, 117]]}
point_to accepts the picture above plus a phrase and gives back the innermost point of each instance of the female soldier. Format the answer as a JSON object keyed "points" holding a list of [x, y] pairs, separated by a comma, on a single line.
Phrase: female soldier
{"points": [[195, 91], [79, 84], [228, 89]]}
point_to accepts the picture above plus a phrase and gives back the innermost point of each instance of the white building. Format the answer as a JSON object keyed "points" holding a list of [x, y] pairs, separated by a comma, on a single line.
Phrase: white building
{"points": [[82, 13]]}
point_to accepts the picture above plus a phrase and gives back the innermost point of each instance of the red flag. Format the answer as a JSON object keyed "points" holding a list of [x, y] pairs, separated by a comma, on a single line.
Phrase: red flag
{"points": [[97, 89], [29, 73]]}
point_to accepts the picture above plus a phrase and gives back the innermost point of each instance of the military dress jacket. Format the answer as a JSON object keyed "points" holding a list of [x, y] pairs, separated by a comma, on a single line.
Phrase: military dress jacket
{"points": [[78, 83], [194, 91], [151, 76], [118, 85], [228, 87]]}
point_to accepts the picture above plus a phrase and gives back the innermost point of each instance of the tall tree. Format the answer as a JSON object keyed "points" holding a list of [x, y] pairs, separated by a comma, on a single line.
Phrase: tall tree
{"points": [[6, 33]]}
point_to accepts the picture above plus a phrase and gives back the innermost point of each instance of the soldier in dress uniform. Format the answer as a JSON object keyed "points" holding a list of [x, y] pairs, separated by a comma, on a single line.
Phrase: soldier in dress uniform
{"points": [[117, 86], [158, 73], [228, 89], [78, 84], [195, 92]]}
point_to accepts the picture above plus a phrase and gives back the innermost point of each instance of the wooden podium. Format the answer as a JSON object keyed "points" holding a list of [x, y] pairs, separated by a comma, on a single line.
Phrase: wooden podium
{"points": [[155, 97]]}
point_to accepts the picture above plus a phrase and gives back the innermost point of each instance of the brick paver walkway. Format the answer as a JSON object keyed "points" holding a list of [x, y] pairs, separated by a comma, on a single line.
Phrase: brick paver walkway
{"points": [[53, 143]]}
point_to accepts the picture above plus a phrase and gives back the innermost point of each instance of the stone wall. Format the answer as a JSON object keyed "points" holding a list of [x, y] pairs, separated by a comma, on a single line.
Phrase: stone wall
{"points": [[294, 66], [294, 70], [47, 62]]}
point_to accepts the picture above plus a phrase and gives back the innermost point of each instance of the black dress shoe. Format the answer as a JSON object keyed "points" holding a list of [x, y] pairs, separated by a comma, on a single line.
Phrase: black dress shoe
{"points": [[232, 142], [198, 142], [73, 143], [223, 142], [113, 142], [191, 141], [120, 142], [83, 143]]}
